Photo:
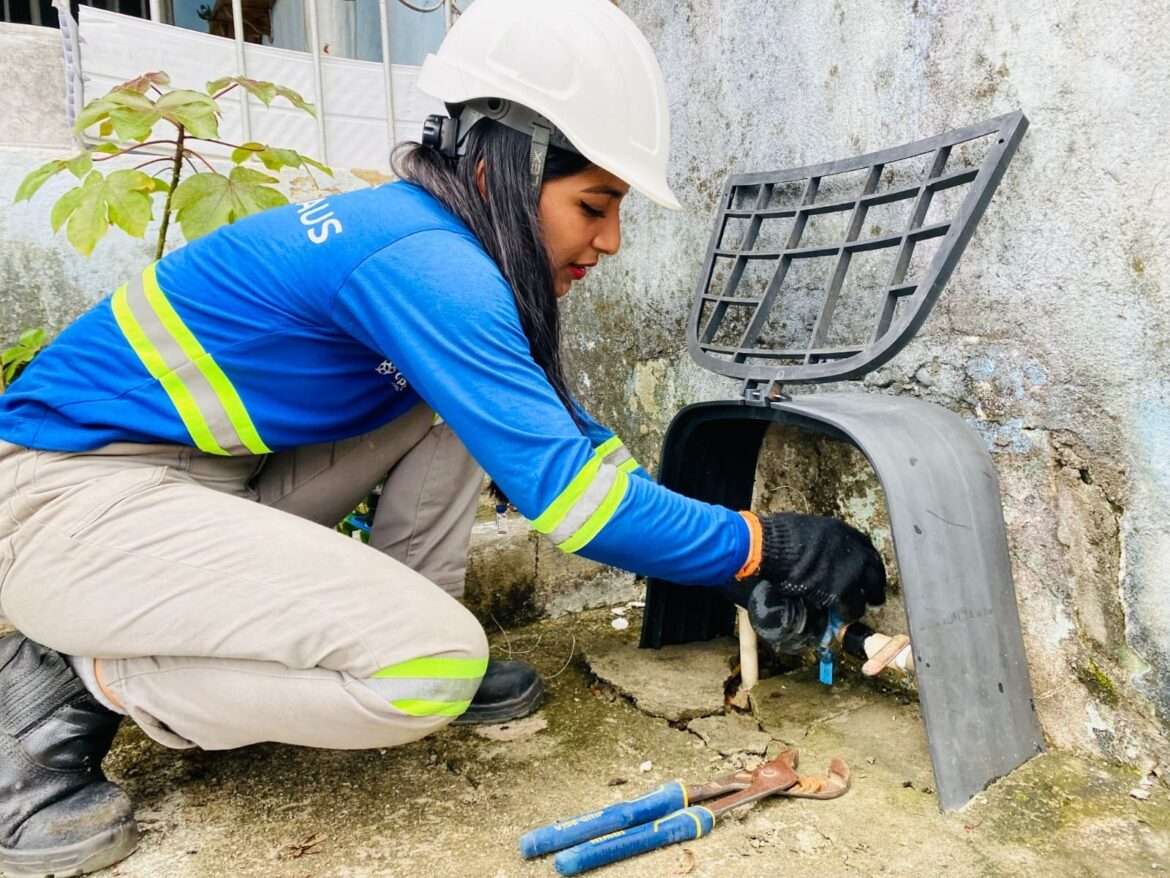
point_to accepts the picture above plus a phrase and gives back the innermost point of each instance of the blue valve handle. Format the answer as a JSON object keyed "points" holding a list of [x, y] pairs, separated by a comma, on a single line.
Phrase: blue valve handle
{"points": [[824, 653], [684, 825], [657, 803]]}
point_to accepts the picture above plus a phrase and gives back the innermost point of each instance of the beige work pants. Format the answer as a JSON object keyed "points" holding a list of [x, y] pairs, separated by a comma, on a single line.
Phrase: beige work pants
{"points": [[226, 608]]}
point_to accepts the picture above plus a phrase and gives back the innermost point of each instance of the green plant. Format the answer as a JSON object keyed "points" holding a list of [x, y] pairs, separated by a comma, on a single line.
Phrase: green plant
{"points": [[203, 201], [15, 358]]}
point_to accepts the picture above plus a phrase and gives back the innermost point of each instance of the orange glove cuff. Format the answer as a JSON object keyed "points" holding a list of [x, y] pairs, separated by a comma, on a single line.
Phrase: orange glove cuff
{"points": [[755, 547]]}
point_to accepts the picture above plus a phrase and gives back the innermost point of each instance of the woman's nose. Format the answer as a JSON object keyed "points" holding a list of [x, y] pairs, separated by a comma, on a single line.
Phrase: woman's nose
{"points": [[609, 237]]}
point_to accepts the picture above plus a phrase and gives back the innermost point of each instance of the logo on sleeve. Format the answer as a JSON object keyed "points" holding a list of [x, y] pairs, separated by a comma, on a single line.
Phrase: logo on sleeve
{"points": [[389, 369], [318, 216]]}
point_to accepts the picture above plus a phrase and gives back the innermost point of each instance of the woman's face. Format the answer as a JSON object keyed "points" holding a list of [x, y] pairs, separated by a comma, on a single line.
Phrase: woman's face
{"points": [[579, 216]]}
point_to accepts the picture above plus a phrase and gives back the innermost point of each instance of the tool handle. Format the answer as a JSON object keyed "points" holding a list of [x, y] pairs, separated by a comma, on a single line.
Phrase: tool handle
{"points": [[683, 825], [657, 803]]}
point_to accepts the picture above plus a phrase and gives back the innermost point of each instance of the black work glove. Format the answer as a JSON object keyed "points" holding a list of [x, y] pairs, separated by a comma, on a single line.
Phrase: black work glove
{"points": [[823, 561], [786, 624]]}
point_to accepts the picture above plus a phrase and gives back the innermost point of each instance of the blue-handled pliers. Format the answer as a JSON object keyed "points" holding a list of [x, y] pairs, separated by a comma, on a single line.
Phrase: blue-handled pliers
{"points": [[670, 814]]}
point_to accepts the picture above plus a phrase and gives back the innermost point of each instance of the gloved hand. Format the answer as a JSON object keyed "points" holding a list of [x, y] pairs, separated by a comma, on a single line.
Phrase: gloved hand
{"points": [[821, 560], [786, 624]]}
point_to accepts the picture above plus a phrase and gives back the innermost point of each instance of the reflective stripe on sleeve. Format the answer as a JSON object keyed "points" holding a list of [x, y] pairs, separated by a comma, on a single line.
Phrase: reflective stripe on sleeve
{"points": [[590, 500], [207, 402]]}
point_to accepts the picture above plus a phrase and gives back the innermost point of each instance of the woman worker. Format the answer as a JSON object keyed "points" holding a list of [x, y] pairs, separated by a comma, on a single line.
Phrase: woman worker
{"points": [[168, 462]]}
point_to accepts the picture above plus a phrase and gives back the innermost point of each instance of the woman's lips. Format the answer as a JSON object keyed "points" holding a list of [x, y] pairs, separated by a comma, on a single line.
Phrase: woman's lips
{"points": [[577, 271]]}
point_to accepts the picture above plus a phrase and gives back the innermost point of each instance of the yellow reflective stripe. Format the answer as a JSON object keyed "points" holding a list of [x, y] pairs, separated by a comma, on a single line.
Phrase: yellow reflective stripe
{"points": [[560, 507], [600, 518], [418, 707], [627, 466], [437, 668], [178, 392], [611, 444], [223, 387], [549, 519], [686, 798]]}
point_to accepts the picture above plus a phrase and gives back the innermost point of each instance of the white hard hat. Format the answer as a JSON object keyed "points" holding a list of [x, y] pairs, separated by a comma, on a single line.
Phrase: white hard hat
{"points": [[581, 64]]}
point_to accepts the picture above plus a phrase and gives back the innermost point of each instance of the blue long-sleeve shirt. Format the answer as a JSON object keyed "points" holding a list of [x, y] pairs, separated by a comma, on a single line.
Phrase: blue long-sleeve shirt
{"points": [[315, 322]]}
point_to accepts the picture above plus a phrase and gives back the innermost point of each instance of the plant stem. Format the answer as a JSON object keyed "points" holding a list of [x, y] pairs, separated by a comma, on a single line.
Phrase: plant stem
{"points": [[210, 166], [175, 172], [113, 155], [260, 148], [152, 162]]}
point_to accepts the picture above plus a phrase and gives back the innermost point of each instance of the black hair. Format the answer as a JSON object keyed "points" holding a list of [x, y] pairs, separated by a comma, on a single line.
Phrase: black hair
{"points": [[506, 222]]}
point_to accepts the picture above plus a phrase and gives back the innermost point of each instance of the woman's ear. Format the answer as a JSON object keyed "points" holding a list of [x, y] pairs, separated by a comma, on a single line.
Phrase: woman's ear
{"points": [[481, 179]]}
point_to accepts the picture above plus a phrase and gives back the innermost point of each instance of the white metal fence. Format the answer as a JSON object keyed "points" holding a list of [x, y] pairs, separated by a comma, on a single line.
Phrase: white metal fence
{"points": [[364, 106]]}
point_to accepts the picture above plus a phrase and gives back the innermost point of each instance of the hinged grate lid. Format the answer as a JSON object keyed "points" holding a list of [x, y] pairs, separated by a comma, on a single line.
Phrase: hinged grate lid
{"points": [[823, 273]]}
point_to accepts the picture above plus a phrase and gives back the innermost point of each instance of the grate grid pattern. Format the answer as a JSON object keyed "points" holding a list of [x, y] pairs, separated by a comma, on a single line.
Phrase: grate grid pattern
{"points": [[823, 273]]}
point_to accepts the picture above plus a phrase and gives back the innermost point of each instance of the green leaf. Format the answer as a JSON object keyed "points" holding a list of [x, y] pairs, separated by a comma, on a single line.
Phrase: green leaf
{"points": [[32, 338], [36, 179], [133, 124], [64, 207], [123, 198], [131, 115], [97, 110], [193, 110], [262, 91], [202, 203], [15, 358], [218, 85], [275, 158], [157, 185], [88, 223], [245, 151], [128, 200], [141, 83], [106, 129], [109, 148], [206, 201], [295, 99], [248, 175], [130, 100], [80, 165], [316, 164]]}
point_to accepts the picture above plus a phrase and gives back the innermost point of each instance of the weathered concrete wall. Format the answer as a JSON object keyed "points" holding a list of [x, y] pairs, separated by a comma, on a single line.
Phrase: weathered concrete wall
{"points": [[1051, 339]]}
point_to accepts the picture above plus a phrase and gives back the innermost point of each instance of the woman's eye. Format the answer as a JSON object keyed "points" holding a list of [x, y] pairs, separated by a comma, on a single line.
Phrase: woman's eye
{"points": [[592, 211]]}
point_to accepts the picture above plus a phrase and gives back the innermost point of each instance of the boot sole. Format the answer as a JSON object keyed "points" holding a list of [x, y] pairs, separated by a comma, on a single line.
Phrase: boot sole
{"points": [[79, 858], [514, 708]]}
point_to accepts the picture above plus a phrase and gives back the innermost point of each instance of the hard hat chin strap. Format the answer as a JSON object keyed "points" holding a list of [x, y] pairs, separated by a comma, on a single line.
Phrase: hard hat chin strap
{"points": [[449, 135]]}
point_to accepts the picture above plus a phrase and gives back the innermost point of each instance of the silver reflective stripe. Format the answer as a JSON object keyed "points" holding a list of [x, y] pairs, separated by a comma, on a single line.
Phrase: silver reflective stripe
{"points": [[618, 455], [177, 361], [586, 504], [401, 689]]}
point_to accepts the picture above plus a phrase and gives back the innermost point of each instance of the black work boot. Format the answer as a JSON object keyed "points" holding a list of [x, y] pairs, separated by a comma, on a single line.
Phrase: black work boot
{"points": [[509, 690], [59, 816]]}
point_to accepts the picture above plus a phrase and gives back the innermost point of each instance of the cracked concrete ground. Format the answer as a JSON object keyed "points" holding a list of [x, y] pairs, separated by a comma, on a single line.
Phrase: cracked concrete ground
{"points": [[456, 803]]}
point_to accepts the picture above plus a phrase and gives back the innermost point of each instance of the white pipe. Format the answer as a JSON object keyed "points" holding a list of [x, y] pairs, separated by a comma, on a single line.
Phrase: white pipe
{"points": [[749, 655], [318, 88], [156, 10], [902, 660], [241, 67], [387, 73]]}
